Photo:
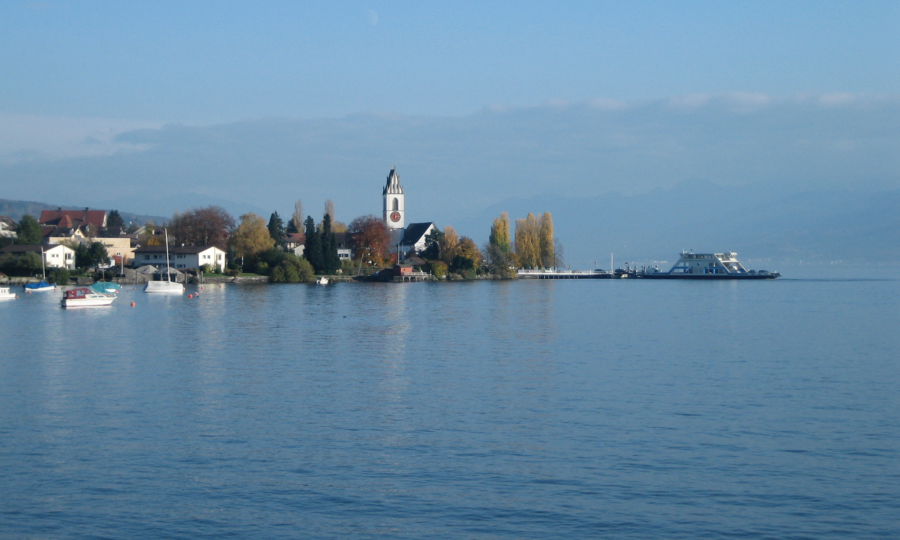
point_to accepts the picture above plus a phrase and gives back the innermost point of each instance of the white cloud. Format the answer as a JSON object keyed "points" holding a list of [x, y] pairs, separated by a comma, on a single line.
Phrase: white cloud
{"points": [[842, 98], [690, 101], [748, 100], [605, 104]]}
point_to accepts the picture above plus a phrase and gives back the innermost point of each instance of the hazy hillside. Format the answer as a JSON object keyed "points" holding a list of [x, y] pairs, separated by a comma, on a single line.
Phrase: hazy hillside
{"points": [[17, 209], [814, 226]]}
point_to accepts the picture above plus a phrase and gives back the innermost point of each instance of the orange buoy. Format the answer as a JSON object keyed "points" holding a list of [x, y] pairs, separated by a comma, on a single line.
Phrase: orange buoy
{"points": [[132, 304]]}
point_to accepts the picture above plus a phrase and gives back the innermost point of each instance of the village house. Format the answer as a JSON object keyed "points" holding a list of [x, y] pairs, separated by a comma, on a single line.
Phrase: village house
{"points": [[295, 243], [74, 218], [344, 242], [82, 226], [7, 227], [180, 257], [119, 248], [414, 237], [55, 256]]}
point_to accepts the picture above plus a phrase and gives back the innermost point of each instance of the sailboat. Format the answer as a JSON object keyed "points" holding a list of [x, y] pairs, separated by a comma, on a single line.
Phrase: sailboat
{"points": [[168, 286], [43, 286]]}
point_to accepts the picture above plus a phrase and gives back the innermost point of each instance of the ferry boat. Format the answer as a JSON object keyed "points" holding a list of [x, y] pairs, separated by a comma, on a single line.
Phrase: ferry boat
{"points": [[707, 266]]}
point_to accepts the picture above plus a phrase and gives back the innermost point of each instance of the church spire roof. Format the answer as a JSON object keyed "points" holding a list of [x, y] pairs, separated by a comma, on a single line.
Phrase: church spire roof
{"points": [[393, 183]]}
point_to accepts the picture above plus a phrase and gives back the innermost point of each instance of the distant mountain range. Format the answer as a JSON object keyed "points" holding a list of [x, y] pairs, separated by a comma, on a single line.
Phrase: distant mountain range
{"points": [[754, 221], [17, 209]]}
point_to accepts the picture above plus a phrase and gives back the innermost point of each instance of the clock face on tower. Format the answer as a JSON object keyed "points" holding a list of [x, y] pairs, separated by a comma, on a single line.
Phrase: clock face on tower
{"points": [[395, 216]]}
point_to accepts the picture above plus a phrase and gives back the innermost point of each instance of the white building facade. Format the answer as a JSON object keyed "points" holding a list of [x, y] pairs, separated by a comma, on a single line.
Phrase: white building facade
{"points": [[55, 256], [181, 257]]}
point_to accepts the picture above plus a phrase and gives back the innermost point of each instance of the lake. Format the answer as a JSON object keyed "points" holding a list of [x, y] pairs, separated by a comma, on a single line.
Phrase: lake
{"points": [[522, 409]]}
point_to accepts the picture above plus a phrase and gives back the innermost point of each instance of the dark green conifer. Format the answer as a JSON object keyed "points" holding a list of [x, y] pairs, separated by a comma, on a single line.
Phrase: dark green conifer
{"points": [[329, 247], [276, 229], [313, 247], [29, 231]]}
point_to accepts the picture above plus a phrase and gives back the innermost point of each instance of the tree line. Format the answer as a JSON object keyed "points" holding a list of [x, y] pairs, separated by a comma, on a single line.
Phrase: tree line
{"points": [[253, 245], [533, 246]]}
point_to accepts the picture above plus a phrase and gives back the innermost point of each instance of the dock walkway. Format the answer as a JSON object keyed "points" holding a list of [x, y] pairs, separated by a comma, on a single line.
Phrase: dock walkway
{"points": [[563, 274]]}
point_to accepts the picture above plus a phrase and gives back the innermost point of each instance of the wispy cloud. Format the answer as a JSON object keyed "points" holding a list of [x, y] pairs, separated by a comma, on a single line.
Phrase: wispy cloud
{"points": [[24, 137]]}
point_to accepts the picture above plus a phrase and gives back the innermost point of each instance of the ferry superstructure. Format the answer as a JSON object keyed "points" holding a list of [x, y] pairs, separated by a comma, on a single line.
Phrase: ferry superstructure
{"points": [[707, 266]]}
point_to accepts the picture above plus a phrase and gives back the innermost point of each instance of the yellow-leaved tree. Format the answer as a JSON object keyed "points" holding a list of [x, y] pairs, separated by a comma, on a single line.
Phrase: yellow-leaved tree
{"points": [[527, 242], [251, 237], [449, 245], [547, 257], [500, 233]]}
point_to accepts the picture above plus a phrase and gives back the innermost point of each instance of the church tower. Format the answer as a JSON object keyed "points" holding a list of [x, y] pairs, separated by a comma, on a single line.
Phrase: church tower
{"points": [[394, 213]]}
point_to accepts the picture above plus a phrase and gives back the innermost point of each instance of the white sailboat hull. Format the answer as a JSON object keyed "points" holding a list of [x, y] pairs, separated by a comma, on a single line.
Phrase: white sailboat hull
{"points": [[42, 289], [163, 287]]}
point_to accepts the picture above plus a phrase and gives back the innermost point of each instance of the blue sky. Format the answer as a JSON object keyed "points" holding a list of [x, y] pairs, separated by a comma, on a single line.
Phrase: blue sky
{"points": [[152, 107], [206, 62]]}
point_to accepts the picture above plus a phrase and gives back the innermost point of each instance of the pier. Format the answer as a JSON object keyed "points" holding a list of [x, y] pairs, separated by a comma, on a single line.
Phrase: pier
{"points": [[563, 274]]}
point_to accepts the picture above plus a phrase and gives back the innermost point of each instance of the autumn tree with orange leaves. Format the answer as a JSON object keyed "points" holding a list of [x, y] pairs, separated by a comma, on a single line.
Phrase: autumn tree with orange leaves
{"points": [[371, 238]]}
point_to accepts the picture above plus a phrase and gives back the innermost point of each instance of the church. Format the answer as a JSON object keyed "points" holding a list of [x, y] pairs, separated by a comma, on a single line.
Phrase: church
{"points": [[405, 239]]}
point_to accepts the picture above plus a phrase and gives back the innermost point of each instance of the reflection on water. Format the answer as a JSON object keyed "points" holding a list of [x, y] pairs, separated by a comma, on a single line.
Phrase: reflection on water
{"points": [[515, 409]]}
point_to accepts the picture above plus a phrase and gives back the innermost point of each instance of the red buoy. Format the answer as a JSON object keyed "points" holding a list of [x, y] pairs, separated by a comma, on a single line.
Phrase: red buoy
{"points": [[132, 304]]}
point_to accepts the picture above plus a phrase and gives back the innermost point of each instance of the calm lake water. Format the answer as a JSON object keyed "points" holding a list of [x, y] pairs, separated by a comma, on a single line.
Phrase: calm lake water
{"points": [[529, 409]]}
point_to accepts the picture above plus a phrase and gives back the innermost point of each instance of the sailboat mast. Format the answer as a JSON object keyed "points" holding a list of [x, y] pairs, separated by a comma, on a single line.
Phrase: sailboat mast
{"points": [[43, 268], [168, 268]]}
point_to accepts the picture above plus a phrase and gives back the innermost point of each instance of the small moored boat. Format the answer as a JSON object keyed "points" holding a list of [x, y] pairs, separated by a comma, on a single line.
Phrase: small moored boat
{"points": [[168, 286], [6, 295], [322, 281], [86, 297], [43, 286], [107, 287]]}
